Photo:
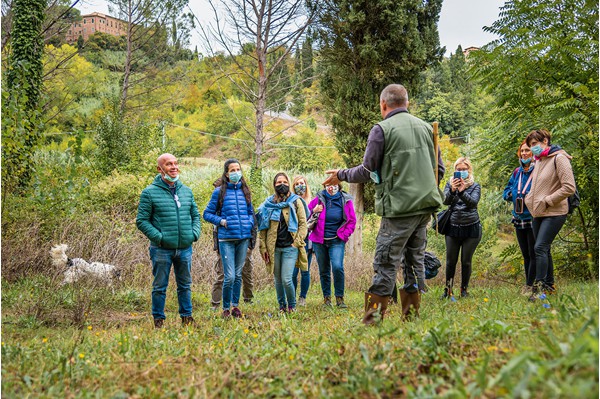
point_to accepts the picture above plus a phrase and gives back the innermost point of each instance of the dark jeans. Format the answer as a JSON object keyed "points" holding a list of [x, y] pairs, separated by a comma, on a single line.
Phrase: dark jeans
{"points": [[330, 257], [526, 242], [181, 260], [453, 248], [396, 236], [545, 231], [304, 276]]}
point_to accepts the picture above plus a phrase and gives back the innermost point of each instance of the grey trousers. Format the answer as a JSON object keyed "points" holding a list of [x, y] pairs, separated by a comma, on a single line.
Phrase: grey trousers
{"points": [[396, 236], [247, 281]]}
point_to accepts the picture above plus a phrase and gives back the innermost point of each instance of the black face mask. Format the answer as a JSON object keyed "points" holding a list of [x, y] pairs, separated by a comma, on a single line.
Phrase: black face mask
{"points": [[282, 189]]}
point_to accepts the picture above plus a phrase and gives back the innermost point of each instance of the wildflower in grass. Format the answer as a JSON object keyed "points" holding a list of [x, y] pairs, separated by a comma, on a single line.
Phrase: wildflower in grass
{"points": [[546, 305], [246, 331], [44, 340], [120, 343], [291, 357], [255, 335], [492, 348], [136, 337], [472, 318], [81, 355], [485, 300], [90, 328], [97, 334], [185, 333], [452, 298], [543, 296], [159, 362]]}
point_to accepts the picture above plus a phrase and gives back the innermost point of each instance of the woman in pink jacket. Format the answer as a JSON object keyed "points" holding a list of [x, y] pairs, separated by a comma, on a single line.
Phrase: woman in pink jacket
{"points": [[335, 225]]}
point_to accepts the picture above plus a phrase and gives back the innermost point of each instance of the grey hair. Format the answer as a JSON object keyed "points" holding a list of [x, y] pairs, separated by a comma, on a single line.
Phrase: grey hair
{"points": [[394, 95]]}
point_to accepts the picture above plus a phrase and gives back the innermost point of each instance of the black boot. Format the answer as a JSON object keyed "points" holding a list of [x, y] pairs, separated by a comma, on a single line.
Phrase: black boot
{"points": [[447, 293]]}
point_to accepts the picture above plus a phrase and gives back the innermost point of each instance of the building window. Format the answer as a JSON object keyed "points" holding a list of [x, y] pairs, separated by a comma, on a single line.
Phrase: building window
{"points": [[84, 20], [92, 20]]}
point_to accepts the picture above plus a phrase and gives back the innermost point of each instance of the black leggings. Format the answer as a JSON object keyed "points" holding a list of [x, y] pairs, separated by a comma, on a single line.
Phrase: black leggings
{"points": [[453, 247], [545, 231], [526, 242]]}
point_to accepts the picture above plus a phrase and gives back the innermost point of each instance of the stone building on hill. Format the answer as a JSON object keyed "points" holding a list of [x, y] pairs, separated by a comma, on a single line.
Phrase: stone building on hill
{"points": [[95, 22]]}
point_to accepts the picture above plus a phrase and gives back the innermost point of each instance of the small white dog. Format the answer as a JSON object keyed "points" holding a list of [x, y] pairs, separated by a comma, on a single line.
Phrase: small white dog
{"points": [[76, 268]]}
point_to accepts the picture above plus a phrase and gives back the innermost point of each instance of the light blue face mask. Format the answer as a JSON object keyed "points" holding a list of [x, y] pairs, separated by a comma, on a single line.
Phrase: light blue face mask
{"points": [[536, 149], [464, 174], [169, 178], [526, 161], [235, 177]]}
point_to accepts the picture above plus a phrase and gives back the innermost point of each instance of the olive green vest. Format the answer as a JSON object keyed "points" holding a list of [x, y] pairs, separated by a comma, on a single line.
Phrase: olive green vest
{"points": [[408, 185]]}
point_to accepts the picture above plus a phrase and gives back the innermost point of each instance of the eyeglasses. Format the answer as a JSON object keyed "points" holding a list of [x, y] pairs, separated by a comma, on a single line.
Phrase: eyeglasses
{"points": [[176, 198]]}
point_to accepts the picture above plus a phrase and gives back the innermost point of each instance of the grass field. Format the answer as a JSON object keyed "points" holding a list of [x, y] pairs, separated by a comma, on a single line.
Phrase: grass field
{"points": [[91, 343]]}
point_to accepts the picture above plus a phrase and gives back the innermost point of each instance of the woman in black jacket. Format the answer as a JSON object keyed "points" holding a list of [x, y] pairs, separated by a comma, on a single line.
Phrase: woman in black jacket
{"points": [[462, 194]]}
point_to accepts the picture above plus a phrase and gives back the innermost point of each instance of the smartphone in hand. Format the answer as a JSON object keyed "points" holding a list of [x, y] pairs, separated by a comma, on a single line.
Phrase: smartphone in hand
{"points": [[457, 175]]}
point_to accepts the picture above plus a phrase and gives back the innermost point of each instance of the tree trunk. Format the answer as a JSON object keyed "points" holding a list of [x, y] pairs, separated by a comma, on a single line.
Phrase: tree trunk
{"points": [[261, 105], [355, 241], [128, 57]]}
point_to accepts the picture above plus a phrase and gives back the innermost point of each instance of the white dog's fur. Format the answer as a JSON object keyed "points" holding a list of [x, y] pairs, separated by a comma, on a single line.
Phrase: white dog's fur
{"points": [[76, 268]]}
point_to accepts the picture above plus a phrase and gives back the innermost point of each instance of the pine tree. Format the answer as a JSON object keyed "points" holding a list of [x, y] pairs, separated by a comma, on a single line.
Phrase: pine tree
{"points": [[366, 45]]}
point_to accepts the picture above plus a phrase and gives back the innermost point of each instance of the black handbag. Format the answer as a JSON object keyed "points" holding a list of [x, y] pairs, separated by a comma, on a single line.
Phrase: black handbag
{"points": [[311, 223], [441, 223]]}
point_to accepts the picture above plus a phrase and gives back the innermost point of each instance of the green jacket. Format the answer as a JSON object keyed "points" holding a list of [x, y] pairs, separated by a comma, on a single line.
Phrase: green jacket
{"points": [[408, 185], [162, 221]]}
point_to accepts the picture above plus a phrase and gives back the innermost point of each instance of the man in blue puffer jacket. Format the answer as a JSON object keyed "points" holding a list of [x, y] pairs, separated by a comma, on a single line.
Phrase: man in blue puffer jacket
{"points": [[169, 217]]}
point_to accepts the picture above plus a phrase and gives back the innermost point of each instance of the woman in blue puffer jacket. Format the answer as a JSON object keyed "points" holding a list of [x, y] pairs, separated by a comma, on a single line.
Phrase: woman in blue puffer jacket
{"points": [[230, 210], [517, 188]]}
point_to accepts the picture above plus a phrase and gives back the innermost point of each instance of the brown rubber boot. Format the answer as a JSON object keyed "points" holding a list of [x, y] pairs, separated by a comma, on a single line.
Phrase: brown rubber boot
{"points": [[187, 321], [158, 323], [375, 307], [411, 301]]}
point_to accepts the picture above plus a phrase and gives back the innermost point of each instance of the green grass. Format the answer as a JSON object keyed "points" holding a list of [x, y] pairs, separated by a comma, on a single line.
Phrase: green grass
{"points": [[494, 344]]}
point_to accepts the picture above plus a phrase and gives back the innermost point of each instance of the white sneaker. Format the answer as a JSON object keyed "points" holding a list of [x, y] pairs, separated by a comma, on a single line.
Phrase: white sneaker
{"points": [[302, 301]]}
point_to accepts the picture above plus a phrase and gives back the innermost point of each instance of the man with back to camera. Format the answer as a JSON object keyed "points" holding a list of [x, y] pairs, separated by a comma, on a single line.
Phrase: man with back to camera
{"points": [[400, 160], [169, 217]]}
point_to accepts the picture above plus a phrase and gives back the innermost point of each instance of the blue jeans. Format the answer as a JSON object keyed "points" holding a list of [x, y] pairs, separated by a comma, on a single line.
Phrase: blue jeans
{"points": [[304, 276], [162, 259], [233, 257], [330, 255], [285, 262]]}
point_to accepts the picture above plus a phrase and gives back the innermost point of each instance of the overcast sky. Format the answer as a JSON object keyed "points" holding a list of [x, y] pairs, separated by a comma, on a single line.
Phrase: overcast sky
{"points": [[461, 21]]}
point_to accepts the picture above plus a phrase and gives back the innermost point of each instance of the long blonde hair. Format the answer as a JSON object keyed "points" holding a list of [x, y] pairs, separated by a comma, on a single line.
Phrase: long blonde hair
{"points": [[471, 179], [307, 194]]}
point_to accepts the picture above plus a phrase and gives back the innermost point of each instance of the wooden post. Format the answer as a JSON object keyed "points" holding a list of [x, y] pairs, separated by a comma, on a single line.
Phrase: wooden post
{"points": [[436, 168]]}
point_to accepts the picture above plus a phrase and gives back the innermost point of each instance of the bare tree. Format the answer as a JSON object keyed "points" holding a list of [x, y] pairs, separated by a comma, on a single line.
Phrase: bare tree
{"points": [[257, 36], [154, 30]]}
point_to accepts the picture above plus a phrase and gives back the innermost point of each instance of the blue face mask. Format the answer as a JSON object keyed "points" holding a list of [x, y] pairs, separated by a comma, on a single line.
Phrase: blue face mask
{"points": [[464, 174], [526, 161], [536, 149], [235, 177]]}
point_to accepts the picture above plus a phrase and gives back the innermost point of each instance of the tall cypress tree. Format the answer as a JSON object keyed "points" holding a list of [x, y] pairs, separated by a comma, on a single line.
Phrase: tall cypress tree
{"points": [[22, 91], [364, 46]]}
